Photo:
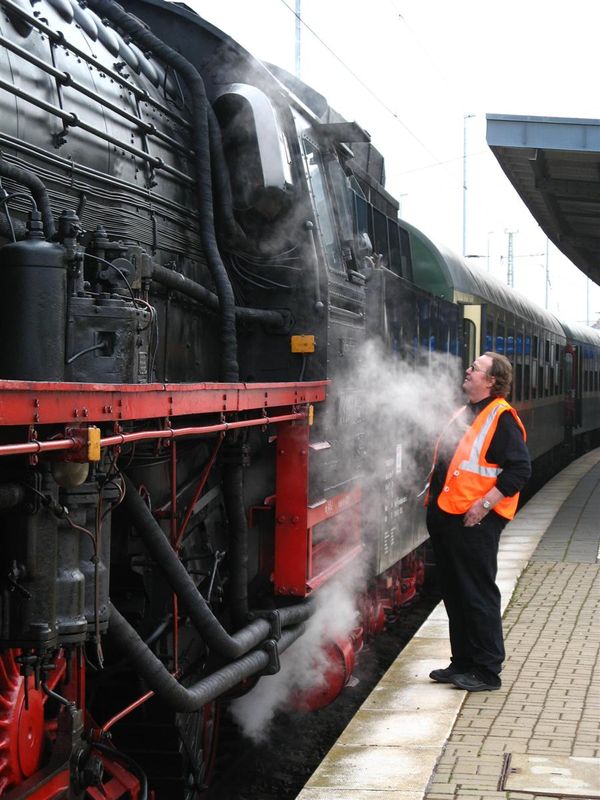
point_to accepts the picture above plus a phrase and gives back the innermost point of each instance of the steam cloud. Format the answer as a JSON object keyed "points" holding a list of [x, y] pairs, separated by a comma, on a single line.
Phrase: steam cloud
{"points": [[303, 666], [383, 415]]}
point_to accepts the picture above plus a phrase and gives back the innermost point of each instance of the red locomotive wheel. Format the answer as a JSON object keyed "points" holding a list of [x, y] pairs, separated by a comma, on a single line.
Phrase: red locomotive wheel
{"points": [[21, 729], [30, 729]]}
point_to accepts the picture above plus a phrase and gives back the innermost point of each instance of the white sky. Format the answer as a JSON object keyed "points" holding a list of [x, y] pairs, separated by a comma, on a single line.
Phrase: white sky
{"points": [[431, 62]]}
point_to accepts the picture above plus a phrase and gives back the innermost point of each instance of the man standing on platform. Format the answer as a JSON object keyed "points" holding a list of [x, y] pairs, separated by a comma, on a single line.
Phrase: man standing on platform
{"points": [[480, 464]]}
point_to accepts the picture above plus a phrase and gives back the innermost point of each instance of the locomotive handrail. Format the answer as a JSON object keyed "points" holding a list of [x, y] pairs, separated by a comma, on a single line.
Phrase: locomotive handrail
{"points": [[35, 447], [65, 79], [71, 120]]}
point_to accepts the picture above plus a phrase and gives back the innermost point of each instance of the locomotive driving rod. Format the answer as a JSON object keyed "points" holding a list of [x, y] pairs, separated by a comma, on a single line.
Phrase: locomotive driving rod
{"points": [[178, 578], [160, 680]]}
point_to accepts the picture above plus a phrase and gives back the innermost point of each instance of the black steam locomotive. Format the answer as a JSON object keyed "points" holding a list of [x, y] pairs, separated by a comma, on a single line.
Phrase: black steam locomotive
{"points": [[194, 249]]}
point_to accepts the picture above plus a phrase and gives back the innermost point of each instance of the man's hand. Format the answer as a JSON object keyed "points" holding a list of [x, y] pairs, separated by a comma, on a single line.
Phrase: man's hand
{"points": [[477, 512]]}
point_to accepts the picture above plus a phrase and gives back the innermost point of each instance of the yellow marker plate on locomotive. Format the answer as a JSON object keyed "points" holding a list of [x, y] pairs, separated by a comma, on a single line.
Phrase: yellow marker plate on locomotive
{"points": [[303, 344]]}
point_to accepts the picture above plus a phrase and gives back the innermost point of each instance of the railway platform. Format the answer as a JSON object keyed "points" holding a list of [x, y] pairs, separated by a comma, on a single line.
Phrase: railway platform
{"points": [[536, 738]]}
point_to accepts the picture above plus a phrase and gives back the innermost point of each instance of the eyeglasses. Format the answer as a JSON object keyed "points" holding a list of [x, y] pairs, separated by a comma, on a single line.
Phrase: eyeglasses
{"points": [[476, 368]]}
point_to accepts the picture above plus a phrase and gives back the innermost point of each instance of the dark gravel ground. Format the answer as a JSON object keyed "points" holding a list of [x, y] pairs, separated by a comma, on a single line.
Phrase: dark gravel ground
{"points": [[278, 768]]}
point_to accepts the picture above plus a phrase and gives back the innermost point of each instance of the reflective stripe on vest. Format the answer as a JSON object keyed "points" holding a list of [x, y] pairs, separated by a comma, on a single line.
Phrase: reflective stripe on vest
{"points": [[469, 474], [474, 462]]}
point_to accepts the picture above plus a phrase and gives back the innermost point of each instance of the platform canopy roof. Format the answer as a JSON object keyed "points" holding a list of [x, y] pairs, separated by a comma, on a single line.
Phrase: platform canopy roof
{"points": [[554, 164]]}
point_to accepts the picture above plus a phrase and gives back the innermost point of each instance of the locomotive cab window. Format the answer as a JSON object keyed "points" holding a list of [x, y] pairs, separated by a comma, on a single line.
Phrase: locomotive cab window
{"points": [[394, 240], [341, 192], [381, 237], [321, 205], [360, 209]]}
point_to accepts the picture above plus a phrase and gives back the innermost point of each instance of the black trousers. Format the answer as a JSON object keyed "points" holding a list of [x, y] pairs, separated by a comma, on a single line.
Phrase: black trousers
{"points": [[467, 564]]}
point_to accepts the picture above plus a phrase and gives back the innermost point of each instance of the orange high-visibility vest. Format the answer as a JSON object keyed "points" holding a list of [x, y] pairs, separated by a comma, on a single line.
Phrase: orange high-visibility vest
{"points": [[469, 475]]}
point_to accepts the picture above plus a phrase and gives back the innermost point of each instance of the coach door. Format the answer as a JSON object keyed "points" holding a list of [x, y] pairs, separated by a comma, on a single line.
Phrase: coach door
{"points": [[471, 333]]}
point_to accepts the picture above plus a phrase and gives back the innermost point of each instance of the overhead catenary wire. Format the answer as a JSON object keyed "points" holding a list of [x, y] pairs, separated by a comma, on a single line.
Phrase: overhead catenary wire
{"points": [[365, 86]]}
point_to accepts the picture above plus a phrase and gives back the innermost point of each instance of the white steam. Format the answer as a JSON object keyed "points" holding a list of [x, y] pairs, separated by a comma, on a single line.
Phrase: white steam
{"points": [[304, 664], [405, 405], [383, 417]]}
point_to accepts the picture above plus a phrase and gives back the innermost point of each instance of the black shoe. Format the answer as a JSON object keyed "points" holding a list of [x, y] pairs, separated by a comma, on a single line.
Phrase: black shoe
{"points": [[445, 675], [472, 682]]}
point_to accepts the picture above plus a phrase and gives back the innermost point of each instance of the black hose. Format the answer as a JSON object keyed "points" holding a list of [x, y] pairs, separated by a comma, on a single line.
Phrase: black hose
{"points": [[176, 575], [146, 40], [226, 221], [179, 283], [168, 689], [40, 194]]}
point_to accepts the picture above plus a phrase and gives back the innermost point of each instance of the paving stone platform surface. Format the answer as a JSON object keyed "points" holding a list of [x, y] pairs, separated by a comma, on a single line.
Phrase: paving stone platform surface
{"points": [[413, 739]]}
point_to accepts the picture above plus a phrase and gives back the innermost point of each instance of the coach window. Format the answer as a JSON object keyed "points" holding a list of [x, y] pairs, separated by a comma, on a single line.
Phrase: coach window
{"points": [[517, 385], [542, 382], [322, 206], [579, 377], [550, 366], [489, 333], [500, 347], [424, 325], [405, 253], [518, 362], [534, 367], [453, 336], [510, 344]]}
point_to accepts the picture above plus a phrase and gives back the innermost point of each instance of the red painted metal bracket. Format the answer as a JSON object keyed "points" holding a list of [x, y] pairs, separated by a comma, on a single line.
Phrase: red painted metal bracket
{"points": [[30, 403], [303, 559]]}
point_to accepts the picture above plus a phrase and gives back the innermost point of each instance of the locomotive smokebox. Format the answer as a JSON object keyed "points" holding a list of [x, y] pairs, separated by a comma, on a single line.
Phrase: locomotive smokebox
{"points": [[33, 282]]}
